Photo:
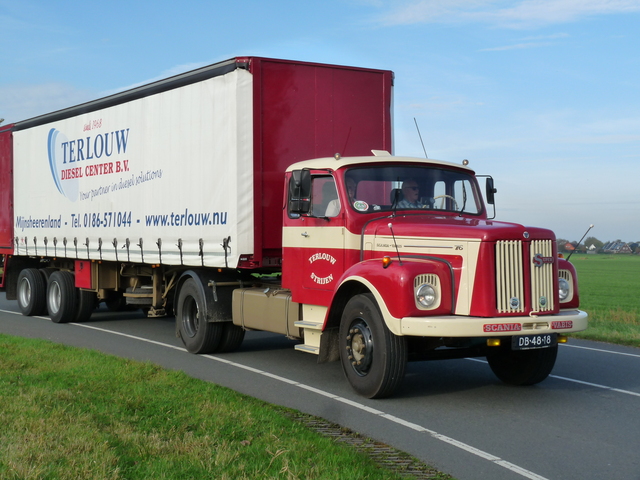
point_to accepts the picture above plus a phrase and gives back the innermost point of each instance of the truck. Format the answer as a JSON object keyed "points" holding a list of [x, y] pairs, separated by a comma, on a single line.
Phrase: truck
{"points": [[261, 194]]}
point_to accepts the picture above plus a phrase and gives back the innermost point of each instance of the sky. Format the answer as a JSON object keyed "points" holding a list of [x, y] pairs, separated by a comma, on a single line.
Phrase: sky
{"points": [[544, 95]]}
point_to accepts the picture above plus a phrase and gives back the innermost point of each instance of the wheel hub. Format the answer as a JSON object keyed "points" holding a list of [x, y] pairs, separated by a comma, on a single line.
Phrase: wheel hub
{"points": [[24, 291], [360, 347], [191, 317]]}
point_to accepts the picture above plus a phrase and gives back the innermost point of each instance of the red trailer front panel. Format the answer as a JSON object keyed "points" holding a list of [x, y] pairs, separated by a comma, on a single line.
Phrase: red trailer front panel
{"points": [[308, 110], [6, 191]]}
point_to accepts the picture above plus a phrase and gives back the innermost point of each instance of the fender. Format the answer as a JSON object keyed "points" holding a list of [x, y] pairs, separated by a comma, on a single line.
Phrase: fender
{"points": [[574, 303], [393, 287], [216, 309]]}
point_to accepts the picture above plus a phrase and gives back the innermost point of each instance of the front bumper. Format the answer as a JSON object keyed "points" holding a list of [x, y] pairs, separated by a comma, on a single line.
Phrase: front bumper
{"points": [[566, 321]]}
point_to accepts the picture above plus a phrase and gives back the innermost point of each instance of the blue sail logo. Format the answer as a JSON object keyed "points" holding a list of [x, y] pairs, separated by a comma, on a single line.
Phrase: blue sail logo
{"points": [[55, 150]]}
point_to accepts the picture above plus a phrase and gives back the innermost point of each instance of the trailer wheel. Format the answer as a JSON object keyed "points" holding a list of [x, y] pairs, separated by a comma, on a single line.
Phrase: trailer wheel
{"points": [[32, 292], [198, 335], [524, 367], [46, 273], [373, 358], [232, 336], [116, 302], [87, 302], [62, 299]]}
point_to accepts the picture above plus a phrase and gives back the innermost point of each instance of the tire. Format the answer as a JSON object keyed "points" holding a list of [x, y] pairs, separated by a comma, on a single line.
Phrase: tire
{"points": [[46, 273], [232, 337], [32, 292], [87, 302], [373, 358], [116, 302], [198, 335], [523, 367], [62, 297]]}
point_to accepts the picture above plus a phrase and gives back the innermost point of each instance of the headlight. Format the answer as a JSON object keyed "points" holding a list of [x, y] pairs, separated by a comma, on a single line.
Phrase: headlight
{"points": [[564, 289], [426, 295]]}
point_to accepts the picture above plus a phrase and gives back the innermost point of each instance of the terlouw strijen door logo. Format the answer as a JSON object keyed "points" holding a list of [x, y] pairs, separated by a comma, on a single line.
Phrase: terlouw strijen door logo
{"points": [[71, 160]]}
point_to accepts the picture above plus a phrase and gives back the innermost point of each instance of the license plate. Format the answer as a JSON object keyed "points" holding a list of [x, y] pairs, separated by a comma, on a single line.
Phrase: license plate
{"points": [[528, 342]]}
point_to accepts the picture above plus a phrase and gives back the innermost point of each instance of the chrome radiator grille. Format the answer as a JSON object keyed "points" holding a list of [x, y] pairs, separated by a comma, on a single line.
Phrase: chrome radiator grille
{"points": [[541, 276], [509, 278], [510, 281]]}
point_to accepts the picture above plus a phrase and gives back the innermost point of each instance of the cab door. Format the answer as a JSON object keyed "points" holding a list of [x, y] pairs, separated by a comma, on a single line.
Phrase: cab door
{"points": [[313, 242]]}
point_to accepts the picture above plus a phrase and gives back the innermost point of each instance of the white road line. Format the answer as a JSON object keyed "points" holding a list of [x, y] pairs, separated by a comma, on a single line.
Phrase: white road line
{"points": [[601, 350], [573, 380], [604, 387]]}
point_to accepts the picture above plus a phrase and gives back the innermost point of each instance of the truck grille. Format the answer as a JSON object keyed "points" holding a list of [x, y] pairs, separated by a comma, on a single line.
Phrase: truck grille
{"points": [[510, 281]]}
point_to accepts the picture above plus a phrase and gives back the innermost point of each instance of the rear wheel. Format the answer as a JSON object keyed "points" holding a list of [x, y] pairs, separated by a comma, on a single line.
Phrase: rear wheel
{"points": [[523, 367], [87, 302], [62, 299], [32, 292], [373, 358], [198, 335], [232, 336]]}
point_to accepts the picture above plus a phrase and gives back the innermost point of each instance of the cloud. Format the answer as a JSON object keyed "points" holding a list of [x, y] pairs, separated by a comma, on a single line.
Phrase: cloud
{"points": [[20, 102], [517, 46], [500, 13], [176, 70], [529, 42]]}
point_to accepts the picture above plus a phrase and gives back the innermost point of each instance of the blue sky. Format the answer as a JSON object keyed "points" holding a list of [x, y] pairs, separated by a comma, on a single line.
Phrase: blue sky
{"points": [[542, 94]]}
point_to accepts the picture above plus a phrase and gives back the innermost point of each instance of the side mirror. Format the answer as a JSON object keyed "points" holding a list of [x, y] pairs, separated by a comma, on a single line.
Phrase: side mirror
{"points": [[491, 191], [300, 192]]}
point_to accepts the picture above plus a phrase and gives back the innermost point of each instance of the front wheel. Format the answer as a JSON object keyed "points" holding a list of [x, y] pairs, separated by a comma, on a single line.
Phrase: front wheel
{"points": [[523, 367], [373, 358]]}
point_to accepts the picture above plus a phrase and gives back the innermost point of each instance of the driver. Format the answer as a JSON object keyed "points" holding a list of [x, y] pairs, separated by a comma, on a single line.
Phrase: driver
{"points": [[411, 196]]}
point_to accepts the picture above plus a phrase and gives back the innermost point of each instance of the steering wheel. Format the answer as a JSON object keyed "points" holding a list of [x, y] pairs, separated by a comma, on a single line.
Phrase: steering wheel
{"points": [[443, 198]]}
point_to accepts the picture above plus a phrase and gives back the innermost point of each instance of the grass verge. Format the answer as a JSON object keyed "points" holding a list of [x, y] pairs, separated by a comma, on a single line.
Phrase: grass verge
{"points": [[69, 413]]}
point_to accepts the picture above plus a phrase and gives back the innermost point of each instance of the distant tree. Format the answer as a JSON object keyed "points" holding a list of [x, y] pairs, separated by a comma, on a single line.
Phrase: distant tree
{"points": [[561, 244], [593, 241]]}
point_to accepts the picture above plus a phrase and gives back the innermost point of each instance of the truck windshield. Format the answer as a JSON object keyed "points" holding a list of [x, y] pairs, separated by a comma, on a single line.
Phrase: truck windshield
{"points": [[406, 187]]}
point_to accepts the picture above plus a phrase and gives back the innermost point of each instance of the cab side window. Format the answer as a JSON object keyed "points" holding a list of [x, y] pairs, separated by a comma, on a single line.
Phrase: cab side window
{"points": [[324, 197]]}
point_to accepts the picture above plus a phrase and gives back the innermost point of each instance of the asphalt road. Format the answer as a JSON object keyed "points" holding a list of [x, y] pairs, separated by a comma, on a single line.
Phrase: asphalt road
{"points": [[583, 422]]}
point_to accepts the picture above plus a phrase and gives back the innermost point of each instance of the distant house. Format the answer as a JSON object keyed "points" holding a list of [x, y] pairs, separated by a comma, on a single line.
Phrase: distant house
{"points": [[592, 249], [569, 247], [616, 247]]}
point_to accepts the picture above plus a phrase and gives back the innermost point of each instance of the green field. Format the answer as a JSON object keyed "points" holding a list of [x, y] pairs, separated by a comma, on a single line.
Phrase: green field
{"points": [[610, 292]]}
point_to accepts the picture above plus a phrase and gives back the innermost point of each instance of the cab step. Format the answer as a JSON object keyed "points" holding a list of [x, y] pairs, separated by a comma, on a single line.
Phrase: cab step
{"points": [[312, 333]]}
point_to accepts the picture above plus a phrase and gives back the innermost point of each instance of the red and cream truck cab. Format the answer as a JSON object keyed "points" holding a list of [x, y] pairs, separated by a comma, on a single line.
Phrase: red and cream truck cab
{"points": [[395, 258]]}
